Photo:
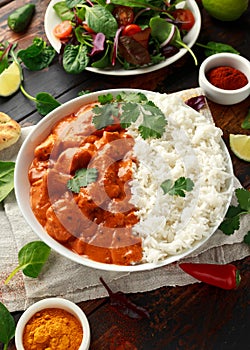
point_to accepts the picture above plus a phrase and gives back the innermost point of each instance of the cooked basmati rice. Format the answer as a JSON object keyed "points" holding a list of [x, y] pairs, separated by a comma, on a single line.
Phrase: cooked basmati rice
{"points": [[189, 147]]}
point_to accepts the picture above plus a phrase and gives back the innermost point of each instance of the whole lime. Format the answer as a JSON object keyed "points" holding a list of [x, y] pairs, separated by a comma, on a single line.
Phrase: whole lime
{"points": [[225, 10]]}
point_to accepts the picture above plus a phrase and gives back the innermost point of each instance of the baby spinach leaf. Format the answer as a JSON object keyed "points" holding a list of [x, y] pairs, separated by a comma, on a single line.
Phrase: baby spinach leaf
{"points": [[63, 11], [31, 259], [75, 58], [82, 178], [177, 188], [246, 122], [37, 56], [213, 47], [6, 178], [7, 326], [100, 20], [45, 103]]}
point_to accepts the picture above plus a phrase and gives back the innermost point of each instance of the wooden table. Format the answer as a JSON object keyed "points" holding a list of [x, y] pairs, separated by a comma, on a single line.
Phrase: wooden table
{"points": [[197, 316]]}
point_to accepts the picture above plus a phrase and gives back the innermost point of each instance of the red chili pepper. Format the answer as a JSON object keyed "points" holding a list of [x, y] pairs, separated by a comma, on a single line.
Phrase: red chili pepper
{"points": [[222, 276]]}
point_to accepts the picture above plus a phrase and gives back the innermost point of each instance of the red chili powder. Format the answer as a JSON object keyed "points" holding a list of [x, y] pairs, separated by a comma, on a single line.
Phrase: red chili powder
{"points": [[227, 78]]}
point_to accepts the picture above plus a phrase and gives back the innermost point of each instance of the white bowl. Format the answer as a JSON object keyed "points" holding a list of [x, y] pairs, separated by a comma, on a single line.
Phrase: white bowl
{"points": [[22, 186], [221, 96], [53, 303], [51, 20]]}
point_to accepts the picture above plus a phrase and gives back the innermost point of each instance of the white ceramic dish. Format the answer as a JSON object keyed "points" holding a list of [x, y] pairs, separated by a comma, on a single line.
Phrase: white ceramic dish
{"points": [[51, 20], [221, 96], [53, 303], [22, 186]]}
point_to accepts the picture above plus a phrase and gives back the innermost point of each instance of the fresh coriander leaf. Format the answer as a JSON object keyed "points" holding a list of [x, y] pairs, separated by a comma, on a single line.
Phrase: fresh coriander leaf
{"points": [[7, 325], [243, 197], [131, 97], [104, 115], [233, 211], [130, 113], [230, 224], [154, 121], [246, 122], [179, 187], [6, 178], [82, 178], [246, 238], [31, 259], [103, 99], [84, 92]]}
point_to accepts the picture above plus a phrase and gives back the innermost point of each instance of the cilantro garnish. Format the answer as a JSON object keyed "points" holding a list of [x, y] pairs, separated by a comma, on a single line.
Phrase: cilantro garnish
{"points": [[247, 238], [231, 222], [82, 178], [177, 188], [128, 107]]}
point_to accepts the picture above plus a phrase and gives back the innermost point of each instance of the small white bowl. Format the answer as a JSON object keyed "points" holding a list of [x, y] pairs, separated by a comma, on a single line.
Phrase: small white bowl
{"points": [[53, 303], [221, 96]]}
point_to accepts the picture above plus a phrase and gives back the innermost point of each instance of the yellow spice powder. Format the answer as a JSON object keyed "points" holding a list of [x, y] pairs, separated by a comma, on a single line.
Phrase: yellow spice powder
{"points": [[52, 329]]}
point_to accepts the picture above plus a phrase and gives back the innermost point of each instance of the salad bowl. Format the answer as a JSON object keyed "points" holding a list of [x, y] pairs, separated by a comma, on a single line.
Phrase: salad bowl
{"points": [[51, 20], [42, 131]]}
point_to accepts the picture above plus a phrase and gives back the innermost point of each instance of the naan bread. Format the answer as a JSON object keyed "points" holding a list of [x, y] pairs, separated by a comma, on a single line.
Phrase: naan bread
{"points": [[10, 131]]}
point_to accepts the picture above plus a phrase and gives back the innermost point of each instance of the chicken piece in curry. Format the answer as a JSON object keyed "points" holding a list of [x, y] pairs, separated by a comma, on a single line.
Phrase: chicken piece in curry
{"points": [[96, 221]]}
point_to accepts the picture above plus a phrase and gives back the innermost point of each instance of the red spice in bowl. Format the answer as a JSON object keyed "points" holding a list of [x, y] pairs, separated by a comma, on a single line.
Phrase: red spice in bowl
{"points": [[227, 78]]}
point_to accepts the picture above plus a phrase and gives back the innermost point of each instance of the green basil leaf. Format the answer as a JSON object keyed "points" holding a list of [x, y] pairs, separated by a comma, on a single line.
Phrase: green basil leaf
{"points": [[6, 178], [7, 325]]}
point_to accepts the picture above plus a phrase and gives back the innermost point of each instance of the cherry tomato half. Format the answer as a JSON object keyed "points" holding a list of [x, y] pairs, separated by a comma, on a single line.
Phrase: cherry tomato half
{"points": [[87, 28], [186, 16], [124, 15], [63, 30], [131, 29]]}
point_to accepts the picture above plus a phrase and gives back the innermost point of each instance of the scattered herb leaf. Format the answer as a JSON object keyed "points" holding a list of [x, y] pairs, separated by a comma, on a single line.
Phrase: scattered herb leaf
{"points": [[127, 108], [6, 178], [247, 238], [37, 56], [45, 103], [213, 47], [246, 122], [124, 305], [82, 178], [177, 188], [31, 258], [231, 222], [196, 102], [7, 326]]}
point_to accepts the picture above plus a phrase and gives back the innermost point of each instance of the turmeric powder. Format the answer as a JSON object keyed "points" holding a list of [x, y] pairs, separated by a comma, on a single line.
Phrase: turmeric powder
{"points": [[52, 329]]}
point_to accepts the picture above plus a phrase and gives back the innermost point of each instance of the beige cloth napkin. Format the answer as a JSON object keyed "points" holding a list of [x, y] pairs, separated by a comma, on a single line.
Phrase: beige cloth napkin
{"points": [[62, 277]]}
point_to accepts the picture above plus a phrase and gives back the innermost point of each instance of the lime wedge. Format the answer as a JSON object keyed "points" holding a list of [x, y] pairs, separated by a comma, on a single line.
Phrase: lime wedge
{"points": [[10, 80], [240, 146]]}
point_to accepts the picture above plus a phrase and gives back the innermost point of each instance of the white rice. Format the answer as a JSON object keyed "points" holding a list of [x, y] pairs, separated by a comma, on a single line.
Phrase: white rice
{"points": [[189, 147]]}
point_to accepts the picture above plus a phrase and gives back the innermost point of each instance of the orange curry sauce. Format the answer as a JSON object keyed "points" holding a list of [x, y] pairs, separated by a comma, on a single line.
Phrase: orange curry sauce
{"points": [[96, 222]]}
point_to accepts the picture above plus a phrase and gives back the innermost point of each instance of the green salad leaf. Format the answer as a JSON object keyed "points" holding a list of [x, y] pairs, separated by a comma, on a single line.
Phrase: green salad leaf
{"points": [[6, 178]]}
